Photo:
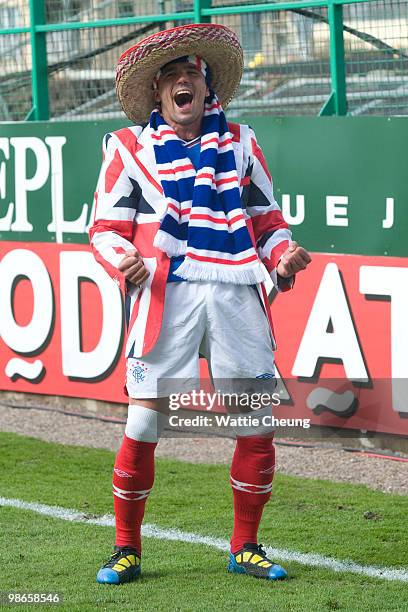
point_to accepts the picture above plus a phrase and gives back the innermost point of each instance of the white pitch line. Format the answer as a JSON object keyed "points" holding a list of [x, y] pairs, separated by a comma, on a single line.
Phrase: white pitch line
{"points": [[152, 531]]}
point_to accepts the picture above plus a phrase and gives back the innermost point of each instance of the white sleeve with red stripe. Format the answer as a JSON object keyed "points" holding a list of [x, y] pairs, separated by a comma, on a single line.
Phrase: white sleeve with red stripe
{"points": [[272, 233], [113, 226]]}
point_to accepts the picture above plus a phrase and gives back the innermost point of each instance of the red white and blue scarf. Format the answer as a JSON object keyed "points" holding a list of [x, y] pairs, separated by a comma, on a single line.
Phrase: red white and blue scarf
{"points": [[204, 219]]}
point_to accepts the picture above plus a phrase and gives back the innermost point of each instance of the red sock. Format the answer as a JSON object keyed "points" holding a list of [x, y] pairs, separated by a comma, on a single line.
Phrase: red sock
{"points": [[252, 473], [133, 477]]}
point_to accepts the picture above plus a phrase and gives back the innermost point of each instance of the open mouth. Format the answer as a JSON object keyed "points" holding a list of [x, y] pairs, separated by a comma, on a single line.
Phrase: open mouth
{"points": [[183, 98]]}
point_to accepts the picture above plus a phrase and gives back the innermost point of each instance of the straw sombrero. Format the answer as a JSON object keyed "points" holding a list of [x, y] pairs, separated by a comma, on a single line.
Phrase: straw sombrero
{"points": [[217, 45]]}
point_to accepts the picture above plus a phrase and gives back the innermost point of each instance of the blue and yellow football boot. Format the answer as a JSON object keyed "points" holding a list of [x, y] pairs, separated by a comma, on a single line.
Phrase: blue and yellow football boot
{"points": [[252, 560], [123, 566]]}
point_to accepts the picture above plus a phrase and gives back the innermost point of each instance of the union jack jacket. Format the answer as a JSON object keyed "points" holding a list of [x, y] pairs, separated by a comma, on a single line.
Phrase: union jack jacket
{"points": [[129, 205]]}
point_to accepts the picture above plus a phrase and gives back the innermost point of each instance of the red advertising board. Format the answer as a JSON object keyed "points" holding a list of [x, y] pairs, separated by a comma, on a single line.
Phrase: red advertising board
{"points": [[340, 332]]}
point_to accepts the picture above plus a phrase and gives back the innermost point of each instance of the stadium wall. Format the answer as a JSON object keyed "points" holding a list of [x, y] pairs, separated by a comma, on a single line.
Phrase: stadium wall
{"points": [[342, 335]]}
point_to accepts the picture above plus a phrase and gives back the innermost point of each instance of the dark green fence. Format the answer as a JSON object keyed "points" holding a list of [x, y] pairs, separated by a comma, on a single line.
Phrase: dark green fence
{"points": [[301, 58]]}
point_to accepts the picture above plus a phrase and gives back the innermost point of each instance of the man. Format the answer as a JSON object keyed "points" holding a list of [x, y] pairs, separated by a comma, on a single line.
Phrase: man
{"points": [[185, 215]]}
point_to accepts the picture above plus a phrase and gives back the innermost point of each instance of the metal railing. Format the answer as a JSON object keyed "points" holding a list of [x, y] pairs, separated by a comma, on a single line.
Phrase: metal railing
{"points": [[327, 57]]}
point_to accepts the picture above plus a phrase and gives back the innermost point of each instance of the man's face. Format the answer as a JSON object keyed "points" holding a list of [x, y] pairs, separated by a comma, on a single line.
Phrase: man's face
{"points": [[181, 90]]}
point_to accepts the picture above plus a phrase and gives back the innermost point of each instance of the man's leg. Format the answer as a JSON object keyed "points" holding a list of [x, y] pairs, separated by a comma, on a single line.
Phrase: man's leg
{"points": [[252, 472], [242, 362], [133, 473], [133, 477], [170, 367]]}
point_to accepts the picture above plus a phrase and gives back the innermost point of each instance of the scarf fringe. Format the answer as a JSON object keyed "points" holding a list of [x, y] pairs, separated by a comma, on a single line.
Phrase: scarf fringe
{"points": [[250, 274], [169, 244]]}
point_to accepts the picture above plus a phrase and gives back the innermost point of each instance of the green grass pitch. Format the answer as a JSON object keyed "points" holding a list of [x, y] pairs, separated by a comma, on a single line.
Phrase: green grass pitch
{"points": [[43, 554]]}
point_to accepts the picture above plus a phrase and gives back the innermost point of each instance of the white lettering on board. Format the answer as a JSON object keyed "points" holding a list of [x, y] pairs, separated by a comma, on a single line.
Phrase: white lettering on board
{"points": [[330, 307], [336, 211], [393, 282], [76, 362]]}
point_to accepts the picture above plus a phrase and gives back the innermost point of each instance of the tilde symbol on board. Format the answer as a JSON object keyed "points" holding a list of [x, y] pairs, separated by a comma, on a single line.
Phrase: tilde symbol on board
{"points": [[341, 404], [21, 368]]}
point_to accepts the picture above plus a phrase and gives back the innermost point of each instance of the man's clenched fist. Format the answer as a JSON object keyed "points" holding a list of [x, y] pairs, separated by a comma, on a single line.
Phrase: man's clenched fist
{"points": [[293, 260], [133, 268]]}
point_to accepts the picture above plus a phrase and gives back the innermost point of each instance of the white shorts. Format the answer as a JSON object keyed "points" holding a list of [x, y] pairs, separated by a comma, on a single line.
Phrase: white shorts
{"points": [[225, 323]]}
